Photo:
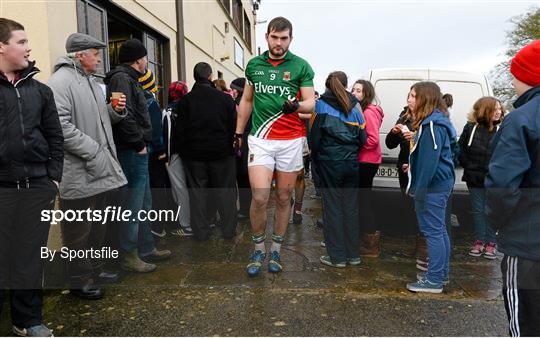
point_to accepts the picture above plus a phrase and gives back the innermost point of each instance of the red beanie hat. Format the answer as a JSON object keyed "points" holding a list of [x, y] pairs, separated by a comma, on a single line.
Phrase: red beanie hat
{"points": [[525, 65]]}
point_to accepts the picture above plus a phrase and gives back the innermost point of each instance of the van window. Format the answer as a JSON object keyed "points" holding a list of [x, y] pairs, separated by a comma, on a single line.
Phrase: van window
{"points": [[465, 95], [392, 96]]}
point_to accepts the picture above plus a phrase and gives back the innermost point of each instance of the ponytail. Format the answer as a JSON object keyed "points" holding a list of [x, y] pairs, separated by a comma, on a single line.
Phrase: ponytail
{"points": [[337, 83]]}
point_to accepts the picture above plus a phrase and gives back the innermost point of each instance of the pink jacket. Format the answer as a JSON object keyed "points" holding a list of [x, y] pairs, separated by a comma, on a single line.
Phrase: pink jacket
{"points": [[371, 151]]}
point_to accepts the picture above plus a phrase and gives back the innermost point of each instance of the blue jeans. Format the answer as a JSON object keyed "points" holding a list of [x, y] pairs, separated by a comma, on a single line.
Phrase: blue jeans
{"points": [[136, 196], [448, 219], [431, 219], [482, 227]]}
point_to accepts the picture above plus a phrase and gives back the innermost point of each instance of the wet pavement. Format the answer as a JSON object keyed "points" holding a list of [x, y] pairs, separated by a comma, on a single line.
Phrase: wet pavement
{"points": [[204, 290]]}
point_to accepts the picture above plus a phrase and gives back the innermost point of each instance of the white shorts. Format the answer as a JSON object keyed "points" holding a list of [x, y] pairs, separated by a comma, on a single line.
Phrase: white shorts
{"points": [[281, 155]]}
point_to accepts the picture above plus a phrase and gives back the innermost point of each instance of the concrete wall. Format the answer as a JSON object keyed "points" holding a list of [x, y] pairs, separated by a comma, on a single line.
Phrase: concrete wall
{"points": [[49, 23], [206, 39]]}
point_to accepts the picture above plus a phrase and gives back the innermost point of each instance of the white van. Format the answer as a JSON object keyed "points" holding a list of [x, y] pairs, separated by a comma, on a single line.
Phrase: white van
{"points": [[392, 87]]}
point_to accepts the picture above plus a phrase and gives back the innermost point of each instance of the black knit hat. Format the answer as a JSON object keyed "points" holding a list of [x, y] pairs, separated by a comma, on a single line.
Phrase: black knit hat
{"points": [[238, 84], [131, 50]]}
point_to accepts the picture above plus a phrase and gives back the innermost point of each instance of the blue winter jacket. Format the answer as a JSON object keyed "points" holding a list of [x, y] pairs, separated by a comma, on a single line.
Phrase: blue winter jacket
{"points": [[334, 135], [431, 159], [156, 145], [513, 180]]}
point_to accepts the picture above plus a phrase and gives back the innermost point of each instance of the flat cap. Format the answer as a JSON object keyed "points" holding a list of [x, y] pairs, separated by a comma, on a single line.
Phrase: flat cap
{"points": [[78, 41]]}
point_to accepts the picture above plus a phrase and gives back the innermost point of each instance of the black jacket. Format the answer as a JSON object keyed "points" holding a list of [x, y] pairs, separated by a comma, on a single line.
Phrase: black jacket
{"points": [[475, 153], [205, 124], [513, 181], [31, 139], [135, 130], [393, 140], [249, 124]]}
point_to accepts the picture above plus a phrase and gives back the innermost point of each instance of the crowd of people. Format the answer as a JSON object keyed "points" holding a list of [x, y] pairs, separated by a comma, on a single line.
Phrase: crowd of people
{"points": [[218, 151]]}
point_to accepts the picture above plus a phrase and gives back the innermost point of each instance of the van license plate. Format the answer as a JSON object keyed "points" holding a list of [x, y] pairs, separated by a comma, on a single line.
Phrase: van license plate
{"points": [[386, 171]]}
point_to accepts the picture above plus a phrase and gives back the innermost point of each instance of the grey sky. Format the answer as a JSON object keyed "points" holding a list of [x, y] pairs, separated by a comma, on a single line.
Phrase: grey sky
{"points": [[358, 35]]}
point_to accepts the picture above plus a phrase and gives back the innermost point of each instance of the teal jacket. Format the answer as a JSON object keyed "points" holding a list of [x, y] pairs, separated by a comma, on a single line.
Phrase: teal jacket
{"points": [[431, 159], [334, 135]]}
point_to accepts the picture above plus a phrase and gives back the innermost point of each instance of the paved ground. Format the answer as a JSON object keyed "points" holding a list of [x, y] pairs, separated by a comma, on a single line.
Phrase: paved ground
{"points": [[203, 290]]}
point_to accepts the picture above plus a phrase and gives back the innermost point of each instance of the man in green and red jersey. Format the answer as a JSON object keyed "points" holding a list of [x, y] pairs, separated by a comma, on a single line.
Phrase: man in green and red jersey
{"points": [[277, 80]]}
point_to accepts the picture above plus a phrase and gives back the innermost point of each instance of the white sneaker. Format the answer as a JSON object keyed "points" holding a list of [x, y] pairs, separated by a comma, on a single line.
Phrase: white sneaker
{"points": [[159, 234]]}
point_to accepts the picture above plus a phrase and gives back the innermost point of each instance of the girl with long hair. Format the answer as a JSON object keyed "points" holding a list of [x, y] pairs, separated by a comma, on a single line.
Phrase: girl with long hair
{"points": [[369, 159], [337, 134], [431, 178], [402, 135], [474, 143]]}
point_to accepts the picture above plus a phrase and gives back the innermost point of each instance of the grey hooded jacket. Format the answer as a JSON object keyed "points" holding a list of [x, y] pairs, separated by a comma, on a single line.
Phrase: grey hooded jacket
{"points": [[91, 166]]}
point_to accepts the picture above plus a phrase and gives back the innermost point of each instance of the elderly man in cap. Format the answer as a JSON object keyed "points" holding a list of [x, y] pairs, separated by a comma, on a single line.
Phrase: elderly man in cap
{"points": [[132, 135], [91, 167]]}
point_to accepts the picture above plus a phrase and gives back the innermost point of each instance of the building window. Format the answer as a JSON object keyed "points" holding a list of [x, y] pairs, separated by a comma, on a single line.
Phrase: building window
{"points": [[247, 31], [155, 63], [240, 20], [92, 20], [238, 54], [105, 21], [227, 5], [238, 14], [114, 52]]}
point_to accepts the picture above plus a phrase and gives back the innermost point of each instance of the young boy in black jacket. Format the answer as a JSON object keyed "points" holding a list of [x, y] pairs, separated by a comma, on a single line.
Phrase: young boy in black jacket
{"points": [[31, 159], [513, 195]]}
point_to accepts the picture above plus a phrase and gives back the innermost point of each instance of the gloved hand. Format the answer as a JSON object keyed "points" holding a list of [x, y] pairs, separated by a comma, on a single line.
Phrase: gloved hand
{"points": [[290, 106]]}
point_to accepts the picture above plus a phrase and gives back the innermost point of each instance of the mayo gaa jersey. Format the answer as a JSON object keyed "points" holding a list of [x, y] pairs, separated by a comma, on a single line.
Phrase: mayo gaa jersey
{"points": [[275, 81]]}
